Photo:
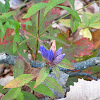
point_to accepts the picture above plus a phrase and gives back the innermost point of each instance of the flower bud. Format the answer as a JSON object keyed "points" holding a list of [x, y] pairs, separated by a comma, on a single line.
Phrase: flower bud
{"points": [[53, 47], [58, 59], [58, 52], [50, 55], [44, 52]]}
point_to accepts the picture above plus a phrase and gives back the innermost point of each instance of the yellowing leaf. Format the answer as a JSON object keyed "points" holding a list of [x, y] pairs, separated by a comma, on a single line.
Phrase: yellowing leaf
{"points": [[95, 25], [65, 22], [19, 81], [86, 33]]}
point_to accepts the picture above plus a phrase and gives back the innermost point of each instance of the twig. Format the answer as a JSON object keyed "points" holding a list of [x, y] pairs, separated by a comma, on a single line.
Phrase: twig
{"points": [[95, 61], [83, 74]]}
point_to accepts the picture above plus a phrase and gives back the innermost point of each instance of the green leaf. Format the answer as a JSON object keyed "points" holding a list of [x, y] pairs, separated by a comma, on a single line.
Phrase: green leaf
{"points": [[7, 15], [94, 18], [41, 89], [72, 3], [12, 94], [19, 81], [56, 72], [2, 30], [28, 23], [42, 76], [3, 90], [52, 83], [51, 4], [20, 96], [66, 64], [73, 12], [16, 38], [35, 8], [74, 24], [18, 68], [1, 7], [85, 19], [95, 25], [28, 96], [7, 5]]}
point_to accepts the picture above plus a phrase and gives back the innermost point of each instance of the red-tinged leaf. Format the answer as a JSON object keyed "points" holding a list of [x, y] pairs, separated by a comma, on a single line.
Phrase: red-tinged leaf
{"points": [[42, 76], [56, 72], [41, 89], [85, 47], [66, 64], [21, 66], [12, 94], [52, 83], [28, 96], [18, 68], [19, 81], [79, 48]]}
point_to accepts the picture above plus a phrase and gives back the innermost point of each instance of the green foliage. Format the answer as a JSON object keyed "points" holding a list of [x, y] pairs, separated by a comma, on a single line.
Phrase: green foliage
{"points": [[12, 94], [3, 90], [52, 83], [38, 30], [51, 4], [41, 89], [75, 19], [42, 76], [72, 3], [4, 7], [28, 96], [66, 64], [20, 96], [35, 8], [74, 24], [56, 72], [18, 68]]}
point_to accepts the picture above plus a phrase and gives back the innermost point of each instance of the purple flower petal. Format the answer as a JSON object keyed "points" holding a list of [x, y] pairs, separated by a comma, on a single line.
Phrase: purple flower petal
{"points": [[44, 52], [50, 55], [58, 52], [58, 59]]}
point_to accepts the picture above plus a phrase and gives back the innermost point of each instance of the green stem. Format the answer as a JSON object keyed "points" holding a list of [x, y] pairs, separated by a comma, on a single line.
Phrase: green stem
{"points": [[67, 15], [42, 21], [37, 42]]}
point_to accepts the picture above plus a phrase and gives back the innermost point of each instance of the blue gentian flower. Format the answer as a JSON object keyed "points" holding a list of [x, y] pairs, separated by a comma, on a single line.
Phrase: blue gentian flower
{"points": [[52, 58]]}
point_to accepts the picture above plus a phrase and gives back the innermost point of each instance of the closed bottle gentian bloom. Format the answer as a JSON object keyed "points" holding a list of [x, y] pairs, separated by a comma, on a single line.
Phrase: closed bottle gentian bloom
{"points": [[50, 56]]}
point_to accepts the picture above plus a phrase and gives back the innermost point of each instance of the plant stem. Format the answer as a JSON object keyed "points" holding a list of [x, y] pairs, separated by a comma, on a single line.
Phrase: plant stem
{"points": [[37, 42], [68, 14]]}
